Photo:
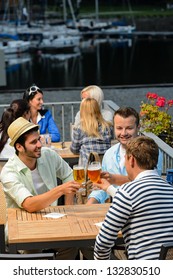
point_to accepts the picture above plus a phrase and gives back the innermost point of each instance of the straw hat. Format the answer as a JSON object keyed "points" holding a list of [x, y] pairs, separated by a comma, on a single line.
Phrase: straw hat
{"points": [[19, 127]]}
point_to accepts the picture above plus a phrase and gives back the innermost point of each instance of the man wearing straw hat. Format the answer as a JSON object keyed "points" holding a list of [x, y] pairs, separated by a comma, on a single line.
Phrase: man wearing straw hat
{"points": [[30, 176]]}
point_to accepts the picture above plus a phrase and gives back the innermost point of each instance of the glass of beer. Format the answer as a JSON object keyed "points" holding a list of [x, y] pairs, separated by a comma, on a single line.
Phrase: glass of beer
{"points": [[94, 171], [79, 173]]}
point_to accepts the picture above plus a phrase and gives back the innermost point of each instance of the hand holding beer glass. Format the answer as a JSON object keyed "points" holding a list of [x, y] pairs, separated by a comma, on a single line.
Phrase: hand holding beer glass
{"points": [[94, 171]]}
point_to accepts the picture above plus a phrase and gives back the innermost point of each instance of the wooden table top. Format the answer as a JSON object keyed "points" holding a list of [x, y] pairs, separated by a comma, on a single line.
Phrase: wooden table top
{"points": [[77, 224]]}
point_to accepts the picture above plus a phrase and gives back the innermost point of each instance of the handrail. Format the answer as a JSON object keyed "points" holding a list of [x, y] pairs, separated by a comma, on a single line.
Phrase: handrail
{"points": [[64, 114], [166, 150]]}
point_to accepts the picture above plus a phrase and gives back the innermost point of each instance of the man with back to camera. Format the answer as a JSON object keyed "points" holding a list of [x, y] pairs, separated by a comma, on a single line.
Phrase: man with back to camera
{"points": [[30, 176], [141, 209], [126, 126]]}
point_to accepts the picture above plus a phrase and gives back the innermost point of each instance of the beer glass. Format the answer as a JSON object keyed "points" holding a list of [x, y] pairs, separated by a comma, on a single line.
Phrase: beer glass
{"points": [[79, 173], [94, 171]]}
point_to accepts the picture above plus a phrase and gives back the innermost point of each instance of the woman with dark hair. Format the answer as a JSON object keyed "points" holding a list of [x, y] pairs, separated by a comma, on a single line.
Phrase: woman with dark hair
{"points": [[34, 96], [18, 108]]}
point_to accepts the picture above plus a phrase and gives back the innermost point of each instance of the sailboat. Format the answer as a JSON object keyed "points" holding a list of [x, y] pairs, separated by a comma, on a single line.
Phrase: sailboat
{"points": [[11, 44], [97, 26]]}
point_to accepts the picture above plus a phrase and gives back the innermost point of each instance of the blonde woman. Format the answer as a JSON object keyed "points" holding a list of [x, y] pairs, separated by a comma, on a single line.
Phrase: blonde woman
{"points": [[94, 133], [95, 92]]}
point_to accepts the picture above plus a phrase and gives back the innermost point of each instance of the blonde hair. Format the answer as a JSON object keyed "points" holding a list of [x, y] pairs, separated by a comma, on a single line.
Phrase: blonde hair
{"points": [[94, 92], [91, 117]]}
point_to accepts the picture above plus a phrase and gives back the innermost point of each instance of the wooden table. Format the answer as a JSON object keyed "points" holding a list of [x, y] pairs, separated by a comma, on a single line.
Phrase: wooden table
{"points": [[34, 231]]}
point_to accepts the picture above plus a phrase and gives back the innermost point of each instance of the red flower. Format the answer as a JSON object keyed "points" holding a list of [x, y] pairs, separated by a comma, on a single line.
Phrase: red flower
{"points": [[170, 103], [151, 95], [154, 116], [161, 101]]}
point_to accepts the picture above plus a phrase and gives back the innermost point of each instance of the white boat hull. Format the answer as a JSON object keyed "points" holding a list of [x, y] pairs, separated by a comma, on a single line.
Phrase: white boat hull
{"points": [[17, 46]]}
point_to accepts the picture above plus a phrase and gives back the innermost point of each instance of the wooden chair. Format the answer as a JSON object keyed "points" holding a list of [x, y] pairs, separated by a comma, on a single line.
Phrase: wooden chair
{"points": [[2, 219], [119, 249], [3, 254], [2, 162], [36, 256], [166, 252]]}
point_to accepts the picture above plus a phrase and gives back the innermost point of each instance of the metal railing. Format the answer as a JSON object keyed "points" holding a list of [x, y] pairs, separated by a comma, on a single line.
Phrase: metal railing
{"points": [[166, 150], [64, 115]]}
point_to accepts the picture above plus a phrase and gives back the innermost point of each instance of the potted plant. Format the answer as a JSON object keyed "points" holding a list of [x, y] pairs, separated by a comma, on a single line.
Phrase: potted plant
{"points": [[154, 117]]}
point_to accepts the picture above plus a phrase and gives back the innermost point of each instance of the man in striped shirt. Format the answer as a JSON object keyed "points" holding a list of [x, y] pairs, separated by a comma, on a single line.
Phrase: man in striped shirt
{"points": [[142, 209]]}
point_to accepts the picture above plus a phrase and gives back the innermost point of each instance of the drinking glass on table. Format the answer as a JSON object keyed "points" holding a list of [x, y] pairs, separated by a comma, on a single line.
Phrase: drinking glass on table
{"points": [[94, 171], [46, 140]]}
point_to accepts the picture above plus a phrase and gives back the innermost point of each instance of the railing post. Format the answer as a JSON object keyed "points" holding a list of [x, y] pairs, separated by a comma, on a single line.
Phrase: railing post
{"points": [[53, 111], [72, 113], [63, 126]]}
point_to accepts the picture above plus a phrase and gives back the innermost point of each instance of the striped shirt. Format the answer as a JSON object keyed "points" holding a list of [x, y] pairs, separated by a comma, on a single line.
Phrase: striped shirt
{"points": [[143, 211]]}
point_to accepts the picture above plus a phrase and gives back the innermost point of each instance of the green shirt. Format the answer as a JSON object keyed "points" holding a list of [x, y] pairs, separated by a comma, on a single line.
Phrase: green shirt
{"points": [[17, 179]]}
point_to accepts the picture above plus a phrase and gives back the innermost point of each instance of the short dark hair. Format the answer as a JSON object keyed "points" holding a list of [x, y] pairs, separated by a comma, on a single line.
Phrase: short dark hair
{"points": [[145, 150], [126, 112]]}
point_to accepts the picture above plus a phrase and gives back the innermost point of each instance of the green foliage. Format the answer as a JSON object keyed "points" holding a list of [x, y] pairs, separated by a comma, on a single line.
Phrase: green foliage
{"points": [[154, 117]]}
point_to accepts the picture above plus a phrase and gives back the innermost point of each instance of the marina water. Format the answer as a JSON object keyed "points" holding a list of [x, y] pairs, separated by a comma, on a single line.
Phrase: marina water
{"points": [[105, 62]]}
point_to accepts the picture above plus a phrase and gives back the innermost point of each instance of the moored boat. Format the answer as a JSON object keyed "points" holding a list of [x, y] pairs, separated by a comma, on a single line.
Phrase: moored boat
{"points": [[11, 44]]}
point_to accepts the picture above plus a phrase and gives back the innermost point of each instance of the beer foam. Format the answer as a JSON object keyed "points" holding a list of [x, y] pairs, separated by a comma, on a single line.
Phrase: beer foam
{"points": [[93, 168], [78, 167]]}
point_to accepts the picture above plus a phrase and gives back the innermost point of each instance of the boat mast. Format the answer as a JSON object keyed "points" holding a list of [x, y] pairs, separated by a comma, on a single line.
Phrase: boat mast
{"points": [[97, 10], [28, 11], [130, 9], [72, 13], [64, 10], [6, 15], [71, 10]]}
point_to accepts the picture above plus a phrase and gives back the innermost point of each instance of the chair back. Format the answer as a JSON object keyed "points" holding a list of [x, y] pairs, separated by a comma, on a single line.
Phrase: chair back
{"points": [[3, 161], [36, 256], [3, 216], [166, 252], [3, 208], [71, 130]]}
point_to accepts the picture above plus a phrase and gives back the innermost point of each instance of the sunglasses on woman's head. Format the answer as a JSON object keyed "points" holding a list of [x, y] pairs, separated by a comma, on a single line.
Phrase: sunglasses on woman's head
{"points": [[34, 89]]}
